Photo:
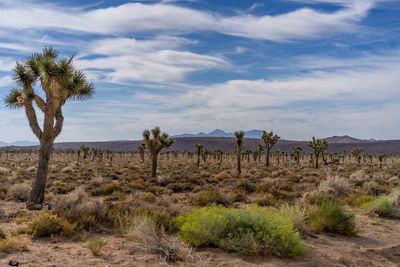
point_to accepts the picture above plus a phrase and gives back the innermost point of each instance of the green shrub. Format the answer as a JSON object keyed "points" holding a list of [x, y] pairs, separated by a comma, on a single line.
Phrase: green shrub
{"points": [[385, 206], [249, 231], [147, 196], [296, 214], [382, 207], [331, 217], [206, 198], [46, 225], [95, 246], [363, 200]]}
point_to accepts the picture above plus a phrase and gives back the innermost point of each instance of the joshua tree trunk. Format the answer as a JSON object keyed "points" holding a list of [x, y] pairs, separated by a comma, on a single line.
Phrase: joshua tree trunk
{"points": [[154, 166], [316, 161], [267, 159], [239, 169], [198, 160], [36, 197], [50, 132]]}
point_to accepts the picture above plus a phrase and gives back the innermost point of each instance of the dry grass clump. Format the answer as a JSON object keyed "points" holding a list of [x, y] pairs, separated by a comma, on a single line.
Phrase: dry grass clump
{"points": [[95, 245], [4, 171], [359, 177], [20, 192], [339, 184], [12, 244], [49, 225], [78, 208], [222, 176], [148, 238]]}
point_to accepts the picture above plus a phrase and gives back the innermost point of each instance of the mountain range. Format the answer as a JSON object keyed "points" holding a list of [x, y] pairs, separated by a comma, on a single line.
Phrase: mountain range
{"points": [[19, 143], [220, 133]]}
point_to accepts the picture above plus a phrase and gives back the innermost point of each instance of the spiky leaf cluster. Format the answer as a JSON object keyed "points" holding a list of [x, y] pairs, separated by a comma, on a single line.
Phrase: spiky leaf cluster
{"points": [[158, 140], [58, 79]]}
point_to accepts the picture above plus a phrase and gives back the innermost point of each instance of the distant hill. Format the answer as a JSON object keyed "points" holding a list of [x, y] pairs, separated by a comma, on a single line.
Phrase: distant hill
{"points": [[19, 143], [221, 133]]}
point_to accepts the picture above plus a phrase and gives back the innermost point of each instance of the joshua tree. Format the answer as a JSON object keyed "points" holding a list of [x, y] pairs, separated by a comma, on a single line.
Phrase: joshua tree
{"points": [[297, 151], [59, 81], [260, 149], [270, 140], [318, 146], [142, 148], [85, 150], [356, 152], [380, 158], [239, 144], [155, 144], [278, 155], [199, 150]]}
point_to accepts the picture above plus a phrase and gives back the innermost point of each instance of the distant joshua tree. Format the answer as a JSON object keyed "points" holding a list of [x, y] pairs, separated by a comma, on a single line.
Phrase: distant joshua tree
{"points": [[318, 146], [260, 149], [356, 152], [199, 151], [142, 148], [297, 152], [155, 144], [380, 158], [59, 81], [270, 140], [239, 144]]}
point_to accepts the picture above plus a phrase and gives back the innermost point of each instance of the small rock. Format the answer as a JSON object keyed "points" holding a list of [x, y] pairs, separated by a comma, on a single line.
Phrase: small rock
{"points": [[13, 263]]}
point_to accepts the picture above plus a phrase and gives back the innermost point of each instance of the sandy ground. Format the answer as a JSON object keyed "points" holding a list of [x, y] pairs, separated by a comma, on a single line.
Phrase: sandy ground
{"points": [[377, 244]]}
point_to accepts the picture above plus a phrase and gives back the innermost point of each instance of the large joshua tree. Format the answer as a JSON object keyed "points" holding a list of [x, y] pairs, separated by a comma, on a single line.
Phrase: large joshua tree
{"points": [[155, 145], [239, 144], [270, 140], [59, 81], [319, 147]]}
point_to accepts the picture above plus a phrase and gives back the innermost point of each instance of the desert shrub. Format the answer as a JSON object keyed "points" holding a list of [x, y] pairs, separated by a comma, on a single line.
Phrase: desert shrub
{"points": [[2, 234], [9, 244], [266, 200], [205, 198], [317, 198], [20, 192], [331, 217], [3, 192], [60, 187], [106, 189], [222, 176], [236, 196], [373, 188], [295, 214], [47, 225], [363, 200], [293, 178], [95, 245], [340, 185], [149, 238], [180, 187], [77, 208], [385, 206], [252, 230], [147, 196], [246, 186], [4, 171]]}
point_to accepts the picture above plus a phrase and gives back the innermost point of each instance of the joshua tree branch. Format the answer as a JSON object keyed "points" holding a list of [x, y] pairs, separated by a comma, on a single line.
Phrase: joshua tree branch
{"points": [[33, 122], [40, 103], [59, 122]]}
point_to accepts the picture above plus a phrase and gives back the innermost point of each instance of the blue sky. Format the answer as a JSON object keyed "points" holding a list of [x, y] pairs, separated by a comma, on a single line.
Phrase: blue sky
{"points": [[301, 68]]}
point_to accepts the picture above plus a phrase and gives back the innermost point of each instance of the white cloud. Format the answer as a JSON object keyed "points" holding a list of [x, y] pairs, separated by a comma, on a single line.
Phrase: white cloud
{"points": [[154, 60], [141, 18]]}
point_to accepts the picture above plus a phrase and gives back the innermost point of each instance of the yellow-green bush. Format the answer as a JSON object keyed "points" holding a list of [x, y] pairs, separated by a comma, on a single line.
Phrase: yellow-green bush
{"points": [[46, 225], [249, 231], [385, 206], [331, 217]]}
